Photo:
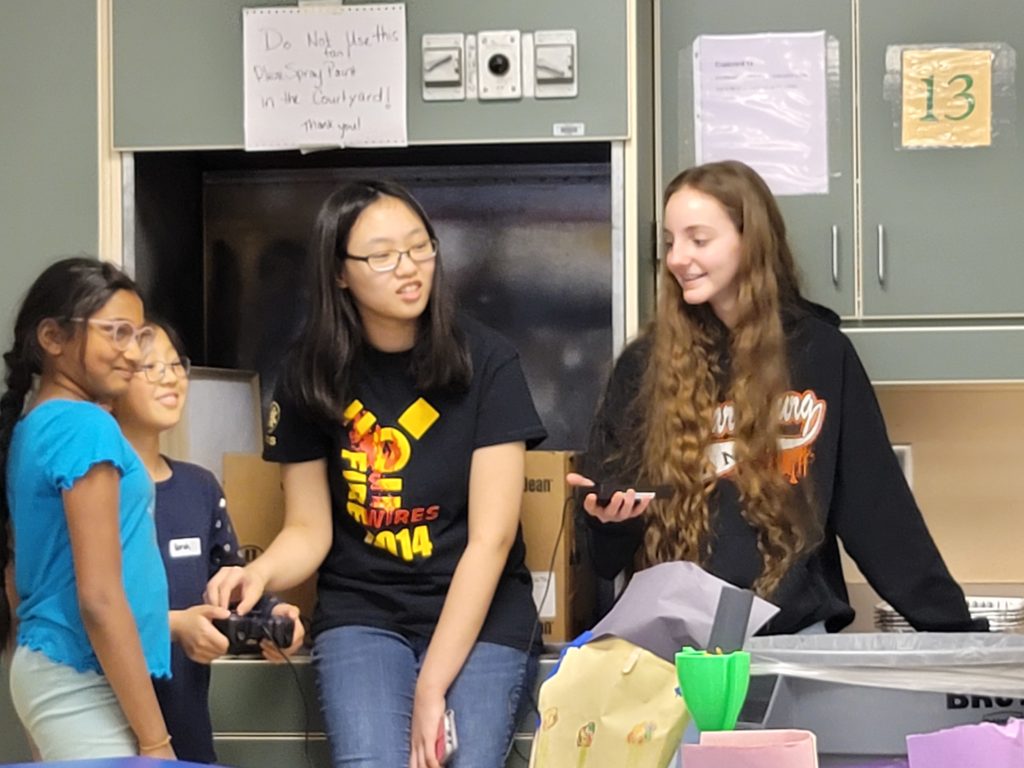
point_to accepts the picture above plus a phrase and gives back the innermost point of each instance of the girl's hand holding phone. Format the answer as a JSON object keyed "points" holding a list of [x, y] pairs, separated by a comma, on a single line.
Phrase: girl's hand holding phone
{"points": [[623, 504], [428, 711]]}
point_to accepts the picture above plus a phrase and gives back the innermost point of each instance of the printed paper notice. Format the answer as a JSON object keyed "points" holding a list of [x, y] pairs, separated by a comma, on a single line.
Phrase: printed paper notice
{"points": [[947, 97], [762, 99], [325, 76]]}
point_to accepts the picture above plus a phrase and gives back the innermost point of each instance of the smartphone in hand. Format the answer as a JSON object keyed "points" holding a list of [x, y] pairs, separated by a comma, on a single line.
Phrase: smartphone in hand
{"points": [[447, 740], [605, 491]]}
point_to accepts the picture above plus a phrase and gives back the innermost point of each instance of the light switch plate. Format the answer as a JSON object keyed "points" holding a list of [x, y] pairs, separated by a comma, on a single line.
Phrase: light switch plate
{"points": [[555, 70], [443, 60]]}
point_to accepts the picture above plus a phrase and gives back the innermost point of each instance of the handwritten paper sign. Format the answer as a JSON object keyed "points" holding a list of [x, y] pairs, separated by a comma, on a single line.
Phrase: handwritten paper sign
{"points": [[947, 97], [325, 76]]}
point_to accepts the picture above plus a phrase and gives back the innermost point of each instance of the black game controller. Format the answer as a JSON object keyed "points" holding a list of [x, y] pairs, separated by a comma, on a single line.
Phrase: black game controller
{"points": [[244, 633]]}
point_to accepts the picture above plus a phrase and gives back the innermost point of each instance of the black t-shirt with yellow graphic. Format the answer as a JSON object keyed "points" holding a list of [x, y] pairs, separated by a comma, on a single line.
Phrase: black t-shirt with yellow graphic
{"points": [[398, 465]]}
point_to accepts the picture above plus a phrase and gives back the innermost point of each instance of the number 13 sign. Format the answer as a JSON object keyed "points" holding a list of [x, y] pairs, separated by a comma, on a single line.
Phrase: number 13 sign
{"points": [[947, 97]]}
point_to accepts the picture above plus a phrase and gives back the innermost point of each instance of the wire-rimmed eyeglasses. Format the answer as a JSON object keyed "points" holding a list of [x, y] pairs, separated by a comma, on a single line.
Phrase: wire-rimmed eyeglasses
{"points": [[155, 372], [387, 261]]}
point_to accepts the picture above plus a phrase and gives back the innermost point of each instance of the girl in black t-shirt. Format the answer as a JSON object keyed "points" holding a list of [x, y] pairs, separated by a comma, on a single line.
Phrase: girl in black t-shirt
{"points": [[401, 428]]}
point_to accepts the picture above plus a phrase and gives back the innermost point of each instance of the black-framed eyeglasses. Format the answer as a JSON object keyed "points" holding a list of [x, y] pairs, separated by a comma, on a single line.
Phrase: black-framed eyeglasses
{"points": [[156, 372], [122, 332], [387, 261]]}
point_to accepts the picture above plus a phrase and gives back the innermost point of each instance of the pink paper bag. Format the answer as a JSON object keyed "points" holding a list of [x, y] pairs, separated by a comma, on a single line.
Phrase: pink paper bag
{"points": [[985, 745], [752, 749]]}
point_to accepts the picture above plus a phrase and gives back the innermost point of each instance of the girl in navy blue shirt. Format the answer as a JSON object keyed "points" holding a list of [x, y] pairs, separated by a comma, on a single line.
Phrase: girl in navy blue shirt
{"points": [[196, 540]]}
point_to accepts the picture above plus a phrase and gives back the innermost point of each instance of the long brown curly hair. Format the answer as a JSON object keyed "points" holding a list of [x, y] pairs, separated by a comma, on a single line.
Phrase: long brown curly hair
{"points": [[687, 378]]}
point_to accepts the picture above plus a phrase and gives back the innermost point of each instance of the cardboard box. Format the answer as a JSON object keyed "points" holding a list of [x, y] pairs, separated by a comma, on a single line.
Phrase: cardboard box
{"points": [[256, 506], [563, 582]]}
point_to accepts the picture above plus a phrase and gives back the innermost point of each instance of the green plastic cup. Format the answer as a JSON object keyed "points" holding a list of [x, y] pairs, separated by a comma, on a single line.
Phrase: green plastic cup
{"points": [[714, 686]]}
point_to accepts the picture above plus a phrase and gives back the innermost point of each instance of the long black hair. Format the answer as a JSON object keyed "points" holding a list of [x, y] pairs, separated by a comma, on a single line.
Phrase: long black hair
{"points": [[76, 287], [320, 373], [159, 323]]}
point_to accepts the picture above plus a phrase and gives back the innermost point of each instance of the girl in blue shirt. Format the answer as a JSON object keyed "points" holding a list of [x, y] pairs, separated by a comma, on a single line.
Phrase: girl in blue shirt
{"points": [[92, 594]]}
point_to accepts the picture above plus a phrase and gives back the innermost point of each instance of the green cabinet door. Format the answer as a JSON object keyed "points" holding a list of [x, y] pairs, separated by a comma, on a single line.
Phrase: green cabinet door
{"points": [[820, 226], [941, 230]]}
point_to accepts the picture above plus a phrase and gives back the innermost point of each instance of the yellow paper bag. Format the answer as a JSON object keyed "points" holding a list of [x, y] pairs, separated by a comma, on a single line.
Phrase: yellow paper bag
{"points": [[611, 704]]}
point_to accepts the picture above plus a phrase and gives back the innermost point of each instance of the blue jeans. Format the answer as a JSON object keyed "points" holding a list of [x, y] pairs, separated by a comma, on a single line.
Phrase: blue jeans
{"points": [[367, 679]]}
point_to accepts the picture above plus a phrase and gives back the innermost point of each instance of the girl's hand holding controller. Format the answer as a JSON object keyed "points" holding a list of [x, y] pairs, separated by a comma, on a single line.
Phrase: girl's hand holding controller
{"points": [[621, 506], [193, 629], [270, 651]]}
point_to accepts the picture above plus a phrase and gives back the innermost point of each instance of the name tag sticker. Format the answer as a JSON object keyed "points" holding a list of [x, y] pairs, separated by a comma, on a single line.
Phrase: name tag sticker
{"points": [[192, 547]]}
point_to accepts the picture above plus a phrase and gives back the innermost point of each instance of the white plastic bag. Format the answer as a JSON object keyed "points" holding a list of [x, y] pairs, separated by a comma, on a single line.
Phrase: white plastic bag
{"points": [[968, 662]]}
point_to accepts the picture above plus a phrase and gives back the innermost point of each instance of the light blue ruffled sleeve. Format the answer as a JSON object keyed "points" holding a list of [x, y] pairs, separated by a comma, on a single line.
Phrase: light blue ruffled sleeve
{"points": [[78, 437]]}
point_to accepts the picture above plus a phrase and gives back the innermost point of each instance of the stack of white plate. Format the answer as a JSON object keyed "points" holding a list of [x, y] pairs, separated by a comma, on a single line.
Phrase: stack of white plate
{"points": [[1004, 614]]}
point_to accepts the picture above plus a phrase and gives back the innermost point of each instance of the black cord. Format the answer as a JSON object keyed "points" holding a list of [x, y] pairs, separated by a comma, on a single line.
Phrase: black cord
{"points": [[568, 508], [302, 695]]}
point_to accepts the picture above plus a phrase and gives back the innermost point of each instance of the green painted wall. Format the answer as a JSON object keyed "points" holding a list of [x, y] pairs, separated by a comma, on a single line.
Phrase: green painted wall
{"points": [[48, 171], [48, 142]]}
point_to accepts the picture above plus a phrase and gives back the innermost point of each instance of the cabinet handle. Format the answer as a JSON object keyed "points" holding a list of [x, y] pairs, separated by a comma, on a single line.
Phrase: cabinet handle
{"points": [[835, 255], [881, 254]]}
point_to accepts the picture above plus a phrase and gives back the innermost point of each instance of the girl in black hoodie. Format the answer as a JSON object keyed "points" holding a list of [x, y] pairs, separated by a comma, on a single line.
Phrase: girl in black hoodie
{"points": [[750, 403]]}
